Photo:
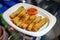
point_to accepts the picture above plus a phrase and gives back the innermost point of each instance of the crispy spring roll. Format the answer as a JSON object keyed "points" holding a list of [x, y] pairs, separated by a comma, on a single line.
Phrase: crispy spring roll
{"points": [[29, 28], [27, 16], [37, 19], [22, 12], [27, 22], [23, 25], [30, 19], [16, 21], [33, 17], [40, 24], [30, 22], [23, 17], [17, 12]]}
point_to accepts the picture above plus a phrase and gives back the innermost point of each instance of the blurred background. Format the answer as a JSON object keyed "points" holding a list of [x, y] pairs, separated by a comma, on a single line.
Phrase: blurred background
{"points": [[52, 6]]}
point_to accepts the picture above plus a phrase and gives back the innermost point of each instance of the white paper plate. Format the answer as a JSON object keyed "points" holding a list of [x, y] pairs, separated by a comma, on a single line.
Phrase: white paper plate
{"points": [[41, 12]]}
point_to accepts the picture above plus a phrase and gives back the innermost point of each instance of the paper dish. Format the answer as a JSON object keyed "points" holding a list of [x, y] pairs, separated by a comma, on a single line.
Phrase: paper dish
{"points": [[41, 12]]}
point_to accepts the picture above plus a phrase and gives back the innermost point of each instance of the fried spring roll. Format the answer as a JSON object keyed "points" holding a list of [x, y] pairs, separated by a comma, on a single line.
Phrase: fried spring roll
{"points": [[23, 25], [33, 17], [29, 28], [26, 17], [30, 22], [22, 12], [16, 21], [30, 19], [40, 24], [27, 22], [37, 19], [17, 12]]}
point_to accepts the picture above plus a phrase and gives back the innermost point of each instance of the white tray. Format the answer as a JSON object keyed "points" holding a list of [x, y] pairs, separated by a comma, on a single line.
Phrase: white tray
{"points": [[41, 12]]}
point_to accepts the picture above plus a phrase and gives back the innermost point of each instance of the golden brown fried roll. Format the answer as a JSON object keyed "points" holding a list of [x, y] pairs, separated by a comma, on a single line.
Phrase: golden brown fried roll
{"points": [[30, 27], [30, 19], [17, 12], [16, 21], [27, 22], [40, 24], [27, 16], [22, 12], [23, 25], [30, 22], [23, 17], [37, 19]]}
